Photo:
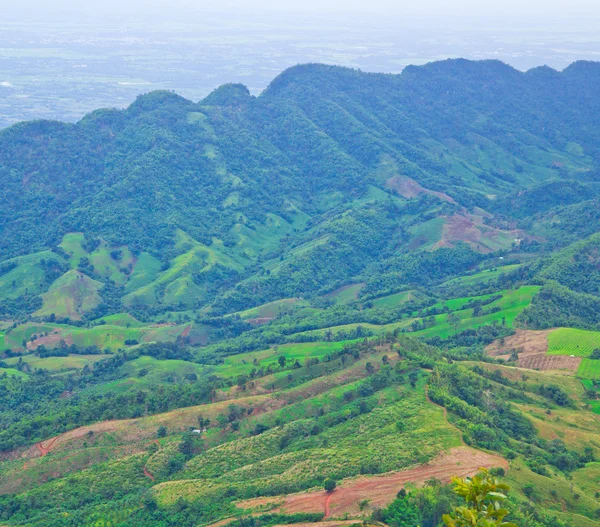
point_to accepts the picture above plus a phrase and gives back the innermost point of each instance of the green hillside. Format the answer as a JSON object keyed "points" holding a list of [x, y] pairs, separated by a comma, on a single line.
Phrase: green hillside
{"points": [[70, 296], [213, 312]]}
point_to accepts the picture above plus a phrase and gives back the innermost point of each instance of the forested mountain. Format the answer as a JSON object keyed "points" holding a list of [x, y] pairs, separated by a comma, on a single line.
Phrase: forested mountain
{"points": [[207, 308], [315, 182]]}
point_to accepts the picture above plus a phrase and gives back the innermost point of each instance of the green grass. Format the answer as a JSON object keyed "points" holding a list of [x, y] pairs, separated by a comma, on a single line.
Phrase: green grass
{"points": [[72, 295], [588, 477], [27, 277], [589, 369], [345, 294], [145, 271], [483, 276], [395, 300], [72, 245], [244, 363], [554, 493], [175, 286], [159, 370], [428, 233], [112, 335], [12, 372], [339, 451], [568, 341], [56, 364], [272, 309], [105, 336], [123, 320], [512, 303]]}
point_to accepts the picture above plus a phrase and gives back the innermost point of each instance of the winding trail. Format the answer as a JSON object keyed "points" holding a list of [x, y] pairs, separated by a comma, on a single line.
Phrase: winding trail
{"points": [[147, 474], [45, 449], [327, 505]]}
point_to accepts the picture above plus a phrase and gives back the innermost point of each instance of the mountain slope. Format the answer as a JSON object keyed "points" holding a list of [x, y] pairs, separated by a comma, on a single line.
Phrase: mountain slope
{"points": [[354, 167], [209, 309]]}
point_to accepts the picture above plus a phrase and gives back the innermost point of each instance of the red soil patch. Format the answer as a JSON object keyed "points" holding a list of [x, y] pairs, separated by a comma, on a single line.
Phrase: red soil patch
{"points": [[148, 474], [50, 340], [409, 188], [186, 331], [259, 321], [45, 446], [532, 347], [471, 229], [528, 342], [331, 523], [541, 361], [380, 490], [328, 505]]}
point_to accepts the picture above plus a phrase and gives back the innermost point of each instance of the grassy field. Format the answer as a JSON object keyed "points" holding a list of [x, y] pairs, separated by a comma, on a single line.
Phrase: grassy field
{"points": [[589, 369], [395, 300], [242, 364], [483, 276], [273, 309], [112, 335], [556, 493], [72, 295], [568, 341], [12, 372], [153, 370], [345, 294], [56, 364], [27, 277], [511, 304], [123, 320]]}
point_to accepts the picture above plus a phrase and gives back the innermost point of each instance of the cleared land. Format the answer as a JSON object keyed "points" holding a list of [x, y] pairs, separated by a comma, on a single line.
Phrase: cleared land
{"points": [[380, 490], [532, 347]]}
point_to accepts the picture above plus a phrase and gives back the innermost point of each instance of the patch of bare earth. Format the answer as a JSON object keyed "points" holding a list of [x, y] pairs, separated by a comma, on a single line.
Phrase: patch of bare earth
{"points": [[50, 341], [331, 523], [408, 188], [259, 321], [380, 490], [549, 362], [532, 348], [471, 229], [526, 341]]}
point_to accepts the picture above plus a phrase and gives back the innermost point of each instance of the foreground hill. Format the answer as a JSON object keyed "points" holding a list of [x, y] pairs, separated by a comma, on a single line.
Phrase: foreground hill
{"points": [[208, 310]]}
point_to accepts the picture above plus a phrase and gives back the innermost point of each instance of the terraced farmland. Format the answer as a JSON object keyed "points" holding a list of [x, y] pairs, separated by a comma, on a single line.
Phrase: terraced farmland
{"points": [[589, 369], [577, 342]]}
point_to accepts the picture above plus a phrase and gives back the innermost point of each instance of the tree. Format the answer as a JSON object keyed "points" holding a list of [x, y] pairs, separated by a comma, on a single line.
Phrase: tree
{"points": [[281, 360], [454, 320], [188, 446], [369, 368], [413, 377], [483, 496], [161, 432], [329, 485]]}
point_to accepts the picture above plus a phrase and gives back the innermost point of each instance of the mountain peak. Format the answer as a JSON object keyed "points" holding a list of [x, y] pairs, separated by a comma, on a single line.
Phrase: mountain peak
{"points": [[229, 95]]}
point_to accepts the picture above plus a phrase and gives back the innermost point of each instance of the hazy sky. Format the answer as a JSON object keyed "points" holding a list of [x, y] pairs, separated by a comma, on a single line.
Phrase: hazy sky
{"points": [[479, 8]]}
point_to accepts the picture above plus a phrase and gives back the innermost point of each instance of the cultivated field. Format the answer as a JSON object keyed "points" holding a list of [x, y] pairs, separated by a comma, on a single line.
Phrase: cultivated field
{"points": [[577, 342]]}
